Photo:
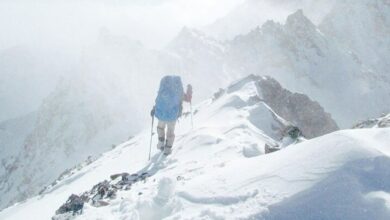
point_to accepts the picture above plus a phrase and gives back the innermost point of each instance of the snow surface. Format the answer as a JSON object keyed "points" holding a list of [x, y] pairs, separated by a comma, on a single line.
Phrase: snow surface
{"points": [[344, 56], [218, 170]]}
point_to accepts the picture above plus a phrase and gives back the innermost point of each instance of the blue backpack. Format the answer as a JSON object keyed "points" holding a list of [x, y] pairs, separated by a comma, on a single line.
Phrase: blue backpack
{"points": [[169, 98]]}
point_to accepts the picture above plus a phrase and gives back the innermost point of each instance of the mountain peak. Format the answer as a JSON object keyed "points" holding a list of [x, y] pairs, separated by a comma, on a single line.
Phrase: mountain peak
{"points": [[186, 31], [190, 40], [299, 22], [271, 26], [190, 34]]}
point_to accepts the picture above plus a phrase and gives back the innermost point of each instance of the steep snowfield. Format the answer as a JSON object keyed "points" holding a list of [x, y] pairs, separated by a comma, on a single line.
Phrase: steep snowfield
{"points": [[218, 170], [345, 56]]}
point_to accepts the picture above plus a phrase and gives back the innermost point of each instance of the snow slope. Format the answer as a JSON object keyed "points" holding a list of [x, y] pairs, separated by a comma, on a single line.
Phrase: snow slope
{"points": [[346, 56], [95, 106], [218, 171]]}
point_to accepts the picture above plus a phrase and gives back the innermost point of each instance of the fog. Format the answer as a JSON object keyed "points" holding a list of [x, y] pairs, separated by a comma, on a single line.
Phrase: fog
{"points": [[74, 23], [252, 13], [53, 36], [78, 77], [43, 41]]}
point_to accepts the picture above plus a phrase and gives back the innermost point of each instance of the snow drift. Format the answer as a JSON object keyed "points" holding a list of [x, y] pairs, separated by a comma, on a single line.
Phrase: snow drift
{"points": [[340, 61], [218, 170]]}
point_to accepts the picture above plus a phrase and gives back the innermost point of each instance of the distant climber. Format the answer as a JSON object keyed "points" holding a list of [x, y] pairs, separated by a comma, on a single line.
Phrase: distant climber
{"points": [[168, 108], [290, 135]]}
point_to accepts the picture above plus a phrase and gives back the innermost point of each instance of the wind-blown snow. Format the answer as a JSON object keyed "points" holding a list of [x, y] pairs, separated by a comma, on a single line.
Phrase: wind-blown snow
{"points": [[210, 175], [341, 62]]}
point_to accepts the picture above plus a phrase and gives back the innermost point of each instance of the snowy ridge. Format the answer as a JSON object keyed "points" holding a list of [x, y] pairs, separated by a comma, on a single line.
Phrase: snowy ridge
{"points": [[225, 152], [323, 60], [305, 60], [343, 56], [382, 122]]}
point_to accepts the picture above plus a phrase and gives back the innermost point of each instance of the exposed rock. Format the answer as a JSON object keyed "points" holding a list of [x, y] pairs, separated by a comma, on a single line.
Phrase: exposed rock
{"points": [[382, 122], [100, 195], [74, 205], [298, 108]]}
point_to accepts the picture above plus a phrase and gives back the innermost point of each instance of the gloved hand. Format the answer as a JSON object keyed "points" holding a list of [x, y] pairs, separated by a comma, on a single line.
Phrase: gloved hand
{"points": [[153, 111]]}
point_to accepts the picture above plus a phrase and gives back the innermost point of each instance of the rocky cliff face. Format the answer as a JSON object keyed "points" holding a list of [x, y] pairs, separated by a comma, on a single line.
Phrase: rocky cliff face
{"points": [[298, 108]]}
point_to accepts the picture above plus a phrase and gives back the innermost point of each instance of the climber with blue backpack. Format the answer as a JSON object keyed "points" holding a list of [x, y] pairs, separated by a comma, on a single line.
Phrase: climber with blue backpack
{"points": [[167, 109]]}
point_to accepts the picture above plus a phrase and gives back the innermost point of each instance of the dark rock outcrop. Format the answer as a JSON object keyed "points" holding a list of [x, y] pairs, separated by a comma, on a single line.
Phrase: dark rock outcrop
{"points": [[298, 108], [382, 122]]}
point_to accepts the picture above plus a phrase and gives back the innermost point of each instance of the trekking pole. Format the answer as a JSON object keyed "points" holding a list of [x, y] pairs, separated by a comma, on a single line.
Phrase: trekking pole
{"points": [[189, 99], [151, 138]]}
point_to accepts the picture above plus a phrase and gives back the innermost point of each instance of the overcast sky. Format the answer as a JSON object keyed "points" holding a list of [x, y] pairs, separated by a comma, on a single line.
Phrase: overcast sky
{"points": [[74, 22]]}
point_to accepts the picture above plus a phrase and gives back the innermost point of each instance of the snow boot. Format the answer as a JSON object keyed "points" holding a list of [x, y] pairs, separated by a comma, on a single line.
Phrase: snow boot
{"points": [[160, 144], [167, 150]]}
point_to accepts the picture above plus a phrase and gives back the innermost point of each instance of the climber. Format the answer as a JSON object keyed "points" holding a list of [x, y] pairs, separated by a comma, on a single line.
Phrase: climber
{"points": [[290, 135], [168, 108]]}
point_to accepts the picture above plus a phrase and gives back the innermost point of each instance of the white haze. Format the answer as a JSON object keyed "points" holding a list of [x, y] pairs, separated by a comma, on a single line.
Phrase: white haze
{"points": [[75, 23], [253, 13], [79, 65], [79, 76], [42, 40], [52, 35]]}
